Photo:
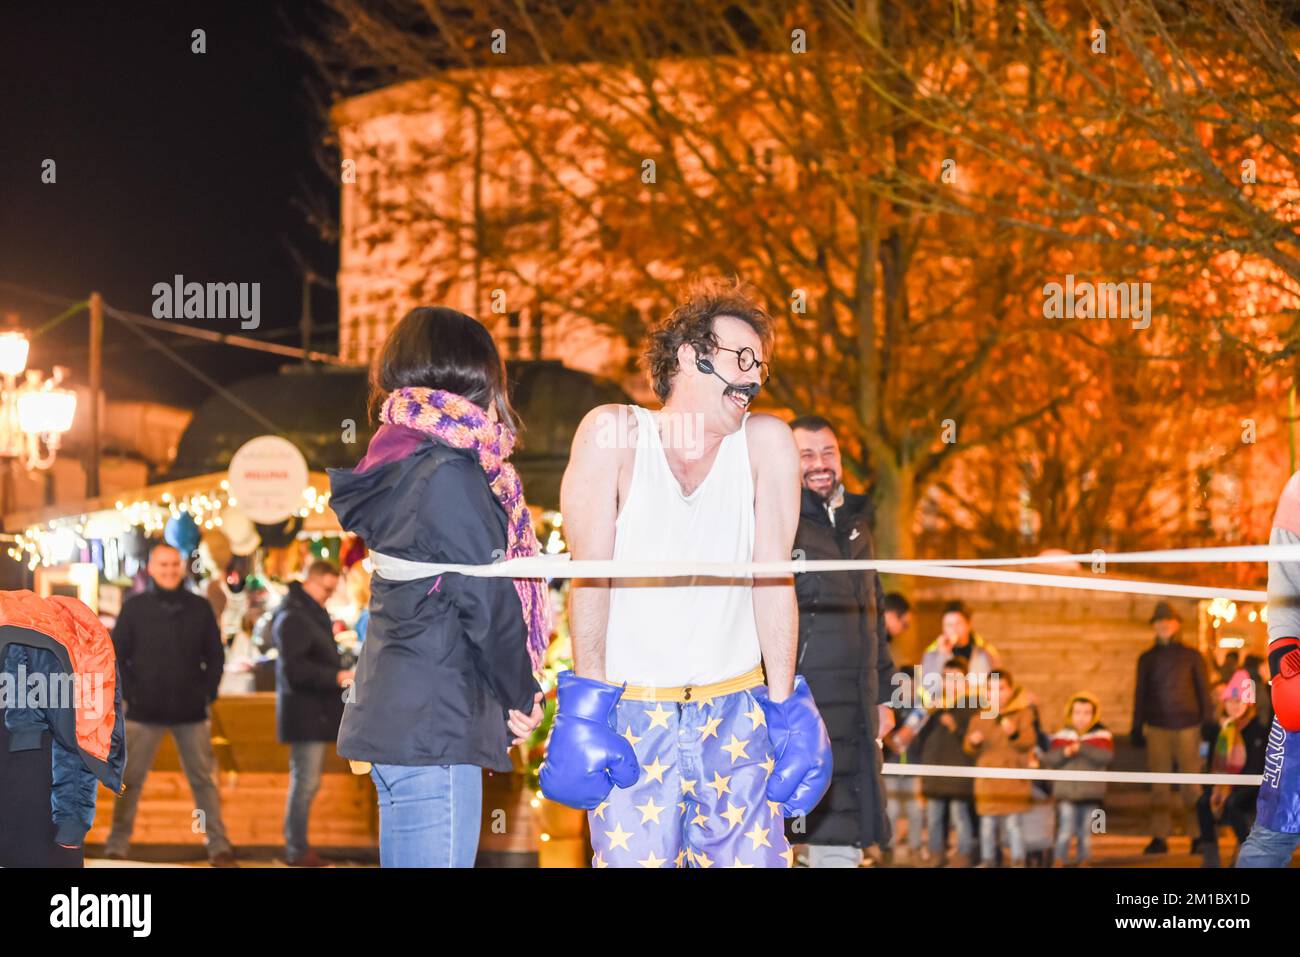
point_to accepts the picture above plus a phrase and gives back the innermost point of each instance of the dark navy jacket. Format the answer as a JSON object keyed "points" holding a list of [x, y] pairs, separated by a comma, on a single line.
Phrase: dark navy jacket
{"points": [[444, 657], [39, 660], [309, 701], [170, 655]]}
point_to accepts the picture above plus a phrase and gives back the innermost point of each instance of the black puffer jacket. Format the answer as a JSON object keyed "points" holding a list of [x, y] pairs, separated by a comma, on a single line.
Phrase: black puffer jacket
{"points": [[1171, 690], [844, 655], [309, 700], [443, 658], [170, 654]]}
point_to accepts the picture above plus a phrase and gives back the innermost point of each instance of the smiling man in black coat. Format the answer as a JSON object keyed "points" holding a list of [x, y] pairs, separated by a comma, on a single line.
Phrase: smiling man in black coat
{"points": [[171, 658], [309, 697], [843, 654]]}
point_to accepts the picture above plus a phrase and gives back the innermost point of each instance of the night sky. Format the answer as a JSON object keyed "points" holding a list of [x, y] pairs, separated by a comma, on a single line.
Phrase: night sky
{"points": [[167, 162]]}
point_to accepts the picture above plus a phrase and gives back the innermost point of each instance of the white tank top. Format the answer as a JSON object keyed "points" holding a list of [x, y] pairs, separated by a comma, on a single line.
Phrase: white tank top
{"points": [[683, 631]]}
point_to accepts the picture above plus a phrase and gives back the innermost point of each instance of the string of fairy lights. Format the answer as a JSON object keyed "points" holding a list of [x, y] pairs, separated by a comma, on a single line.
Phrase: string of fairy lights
{"points": [[50, 543]]}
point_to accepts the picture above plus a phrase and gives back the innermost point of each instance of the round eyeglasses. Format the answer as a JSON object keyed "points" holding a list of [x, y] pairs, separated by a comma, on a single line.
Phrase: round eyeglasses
{"points": [[746, 360]]}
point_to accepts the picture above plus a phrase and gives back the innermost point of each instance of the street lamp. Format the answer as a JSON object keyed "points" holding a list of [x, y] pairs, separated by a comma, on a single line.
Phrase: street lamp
{"points": [[34, 413]]}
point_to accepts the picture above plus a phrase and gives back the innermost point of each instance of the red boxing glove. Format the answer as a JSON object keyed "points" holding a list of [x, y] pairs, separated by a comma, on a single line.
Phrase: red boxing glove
{"points": [[1284, 663]]}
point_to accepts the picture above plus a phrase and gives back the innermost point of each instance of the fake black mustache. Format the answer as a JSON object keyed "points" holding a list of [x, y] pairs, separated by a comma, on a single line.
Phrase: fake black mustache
{"points": [[749, 390]]}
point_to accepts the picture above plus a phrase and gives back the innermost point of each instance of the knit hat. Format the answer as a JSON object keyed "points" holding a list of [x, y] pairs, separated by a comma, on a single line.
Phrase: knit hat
{"points": [[1240, 687]]}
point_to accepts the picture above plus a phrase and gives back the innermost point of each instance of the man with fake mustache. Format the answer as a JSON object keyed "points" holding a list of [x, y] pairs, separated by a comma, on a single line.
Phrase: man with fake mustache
{"points": [[684, 692]]}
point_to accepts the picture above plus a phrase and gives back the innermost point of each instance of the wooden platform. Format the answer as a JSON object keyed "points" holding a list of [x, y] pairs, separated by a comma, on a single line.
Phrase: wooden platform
{"points": [[254, 783]]}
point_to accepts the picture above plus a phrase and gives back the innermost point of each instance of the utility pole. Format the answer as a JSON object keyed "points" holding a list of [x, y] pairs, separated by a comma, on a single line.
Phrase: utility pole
{"points": [[304, 319], [96, 365]]}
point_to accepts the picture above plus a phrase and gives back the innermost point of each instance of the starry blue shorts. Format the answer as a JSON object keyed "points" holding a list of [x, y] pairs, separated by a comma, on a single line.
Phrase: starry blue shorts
{"points": [[700, 799]]}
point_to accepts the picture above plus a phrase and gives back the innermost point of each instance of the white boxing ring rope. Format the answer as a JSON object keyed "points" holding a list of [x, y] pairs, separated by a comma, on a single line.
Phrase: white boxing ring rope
{"points": [[563, 566], [1049, 774]]}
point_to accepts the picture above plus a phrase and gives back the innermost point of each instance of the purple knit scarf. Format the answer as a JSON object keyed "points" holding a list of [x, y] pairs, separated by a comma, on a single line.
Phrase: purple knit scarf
{"points": [[462, 424]]}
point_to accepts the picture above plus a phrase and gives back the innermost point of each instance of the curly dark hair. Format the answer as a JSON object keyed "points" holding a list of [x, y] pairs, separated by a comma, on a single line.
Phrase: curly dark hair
{"points": [[692, 322]]}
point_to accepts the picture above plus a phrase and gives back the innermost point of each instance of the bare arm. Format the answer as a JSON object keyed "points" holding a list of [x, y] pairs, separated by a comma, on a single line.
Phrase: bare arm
{"points": [[776, 518], [589, 503]]}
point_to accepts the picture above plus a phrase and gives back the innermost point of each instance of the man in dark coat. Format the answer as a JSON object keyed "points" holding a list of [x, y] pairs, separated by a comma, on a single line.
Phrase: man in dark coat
{"points": [[1171, 702], [843, 654], [309, 698], [171, 658]]}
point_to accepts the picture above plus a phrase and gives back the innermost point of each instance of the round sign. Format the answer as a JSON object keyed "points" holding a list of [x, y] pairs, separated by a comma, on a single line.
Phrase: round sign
{"points": [[268, 476]]}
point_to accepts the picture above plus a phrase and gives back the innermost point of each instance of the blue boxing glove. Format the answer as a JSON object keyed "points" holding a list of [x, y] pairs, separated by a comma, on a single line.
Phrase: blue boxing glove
{"points": [[802, 770], [586, 757]]}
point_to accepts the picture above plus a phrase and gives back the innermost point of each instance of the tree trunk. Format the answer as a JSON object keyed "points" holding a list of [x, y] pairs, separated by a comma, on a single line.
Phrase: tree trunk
{"points": [[895, 500]]}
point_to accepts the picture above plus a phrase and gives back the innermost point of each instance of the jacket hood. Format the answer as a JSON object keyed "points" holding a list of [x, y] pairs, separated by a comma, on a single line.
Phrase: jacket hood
{"points": [[1089, 697], [360, 492], [90, 652], [1019, 702]]}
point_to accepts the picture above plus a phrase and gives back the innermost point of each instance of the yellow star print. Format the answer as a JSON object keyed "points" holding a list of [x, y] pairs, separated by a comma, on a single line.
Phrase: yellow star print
{"points": [[680, 856], [699, 818], [774, 808], [681, 806], [599, 861], [759, 837], [653, 861], [710, 728], [788, 856], [734, 814], [769, 765], [659, 717], [756, 716], [736, 749], [688, 787], [655, 770], [720, 784], [600, 810], [702, 860], [649, 811], [618, 837], [632, 739], [738, 863]]}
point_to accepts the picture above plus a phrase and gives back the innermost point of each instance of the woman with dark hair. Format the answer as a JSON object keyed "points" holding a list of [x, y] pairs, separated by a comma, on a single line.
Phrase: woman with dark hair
{"points": [[444, 683]]}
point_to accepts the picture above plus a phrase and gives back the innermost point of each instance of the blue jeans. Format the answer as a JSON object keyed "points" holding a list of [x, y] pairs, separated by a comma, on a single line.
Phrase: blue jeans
{"points": [[937, 830], [1265, 848], [305, 761], [1008, 824], [904, 800], [1074, 819], [428, 815]]}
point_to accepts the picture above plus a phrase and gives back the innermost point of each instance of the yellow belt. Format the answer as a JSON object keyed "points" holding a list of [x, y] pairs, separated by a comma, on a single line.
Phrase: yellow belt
{"points": [[750, 679]]}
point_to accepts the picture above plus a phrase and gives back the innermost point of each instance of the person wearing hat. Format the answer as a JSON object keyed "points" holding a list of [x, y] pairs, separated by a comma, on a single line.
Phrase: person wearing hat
{"points": [[1170, 704]]}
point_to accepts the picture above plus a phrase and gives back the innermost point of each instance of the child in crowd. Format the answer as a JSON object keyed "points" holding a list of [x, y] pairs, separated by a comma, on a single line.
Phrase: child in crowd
{"points": [[903, 794], [940, 742], [1084, 744], [1239, 749], [1002, 737]]}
